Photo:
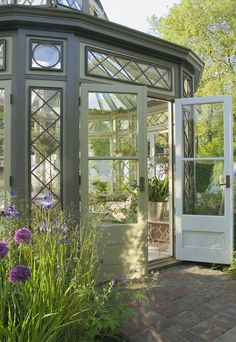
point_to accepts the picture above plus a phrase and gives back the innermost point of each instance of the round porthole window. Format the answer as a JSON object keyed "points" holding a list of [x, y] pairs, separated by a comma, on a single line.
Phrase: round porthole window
{"points": [[46, 56]]}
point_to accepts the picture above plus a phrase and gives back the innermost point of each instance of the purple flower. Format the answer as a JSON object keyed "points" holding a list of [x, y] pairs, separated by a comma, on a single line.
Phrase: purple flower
{"points": [[44, 227], [4, 248], [113, 282], [13, 194], [48, 198], [63, 241], [63, 230], [23, 235], [48, 201], [11, 211], [19, 274]]}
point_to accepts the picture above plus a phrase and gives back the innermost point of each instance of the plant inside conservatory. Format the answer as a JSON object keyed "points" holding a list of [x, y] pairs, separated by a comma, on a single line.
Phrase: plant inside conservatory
{"points": [[158, 192]]}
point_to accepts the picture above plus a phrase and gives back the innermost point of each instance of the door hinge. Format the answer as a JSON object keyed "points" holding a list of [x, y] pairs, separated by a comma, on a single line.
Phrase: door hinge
{"points": [[11, 99], [79, 100], [10, 180], [79, 179]]}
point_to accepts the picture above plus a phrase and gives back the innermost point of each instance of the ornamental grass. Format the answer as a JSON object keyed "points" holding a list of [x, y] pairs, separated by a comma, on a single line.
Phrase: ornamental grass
{"points": [[48, 279]]}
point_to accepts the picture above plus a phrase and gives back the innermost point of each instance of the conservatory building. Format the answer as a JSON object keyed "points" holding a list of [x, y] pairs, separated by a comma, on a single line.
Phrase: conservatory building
{"points": [[103, 118]]}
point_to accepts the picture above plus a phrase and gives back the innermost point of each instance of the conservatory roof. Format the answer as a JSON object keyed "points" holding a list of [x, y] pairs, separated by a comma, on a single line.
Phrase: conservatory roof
{"points": [[15, 16]]}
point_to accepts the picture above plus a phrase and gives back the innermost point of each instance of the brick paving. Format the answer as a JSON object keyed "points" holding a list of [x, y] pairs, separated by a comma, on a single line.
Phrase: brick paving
{"points": [[188, 303]]}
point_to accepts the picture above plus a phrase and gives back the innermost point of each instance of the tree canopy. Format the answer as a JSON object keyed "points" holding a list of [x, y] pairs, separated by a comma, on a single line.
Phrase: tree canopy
{"points": [[209, 29]]}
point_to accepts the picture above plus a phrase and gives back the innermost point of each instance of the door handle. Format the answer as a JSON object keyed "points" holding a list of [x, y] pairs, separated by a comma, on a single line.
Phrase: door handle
{"points": [[227, 182], [141, 184]]}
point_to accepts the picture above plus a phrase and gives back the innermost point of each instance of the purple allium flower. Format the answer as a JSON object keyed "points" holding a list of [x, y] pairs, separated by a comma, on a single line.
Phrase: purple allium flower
{"points": [[23, 235], [19, 274], [4, 248], [63, 241], [16, 213], [48, 205]]}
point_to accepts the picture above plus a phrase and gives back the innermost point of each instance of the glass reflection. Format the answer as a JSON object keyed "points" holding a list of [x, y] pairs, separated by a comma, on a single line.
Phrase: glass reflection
{"points": [[2, 54], [203, 130], [46, 55], [203, 194], [112, 125], [111, 196]]}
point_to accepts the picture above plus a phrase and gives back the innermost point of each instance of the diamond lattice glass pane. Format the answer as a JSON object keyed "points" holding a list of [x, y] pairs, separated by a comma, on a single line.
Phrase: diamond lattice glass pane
{"points": [[75, 4], [31, 2], [113, 141], [202, 193], [110, 65], [45, 142], [2, 114], [203, 130], [111, 197]]}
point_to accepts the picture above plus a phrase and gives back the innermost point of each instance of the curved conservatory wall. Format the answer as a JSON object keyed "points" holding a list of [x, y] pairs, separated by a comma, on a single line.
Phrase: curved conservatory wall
{"points": [[45, 54]]}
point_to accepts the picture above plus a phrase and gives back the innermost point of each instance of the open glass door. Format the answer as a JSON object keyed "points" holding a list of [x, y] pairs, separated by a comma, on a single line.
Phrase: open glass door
{"points": [[114, 174], [204, 179]]}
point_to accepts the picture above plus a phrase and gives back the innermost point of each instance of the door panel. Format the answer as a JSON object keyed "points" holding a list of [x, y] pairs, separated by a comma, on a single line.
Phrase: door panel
{"points": [[204, 176], [113, 175]]}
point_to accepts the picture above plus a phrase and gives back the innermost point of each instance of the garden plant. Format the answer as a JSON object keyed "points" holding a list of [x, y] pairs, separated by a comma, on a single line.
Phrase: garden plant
{"points": [[48, 279]]}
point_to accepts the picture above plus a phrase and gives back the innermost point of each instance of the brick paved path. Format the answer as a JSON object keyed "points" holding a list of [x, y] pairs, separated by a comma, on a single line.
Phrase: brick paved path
{"points": [[189, 303]]}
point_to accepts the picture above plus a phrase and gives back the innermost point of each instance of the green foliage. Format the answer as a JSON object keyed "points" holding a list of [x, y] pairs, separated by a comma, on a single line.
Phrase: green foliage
{"points": [[208, 28], [62, 300], [158, 189]]}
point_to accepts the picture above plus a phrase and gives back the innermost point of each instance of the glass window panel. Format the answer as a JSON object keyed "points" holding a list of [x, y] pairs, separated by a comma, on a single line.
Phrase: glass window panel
{"points": [[106, 110], [203, 127], [202, 193], [75, 4], [115, 67], [2, 113], [111, 196], [45, 143], [2, 54], [187, 85], [31, 2], [46, 55]]}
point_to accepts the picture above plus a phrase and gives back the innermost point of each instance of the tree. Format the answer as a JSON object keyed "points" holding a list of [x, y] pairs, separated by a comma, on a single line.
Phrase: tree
{"points": [[209, 29]]}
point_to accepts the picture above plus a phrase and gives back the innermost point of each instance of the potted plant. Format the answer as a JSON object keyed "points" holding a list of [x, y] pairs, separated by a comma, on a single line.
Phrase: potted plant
{"points": [[158, 191]]}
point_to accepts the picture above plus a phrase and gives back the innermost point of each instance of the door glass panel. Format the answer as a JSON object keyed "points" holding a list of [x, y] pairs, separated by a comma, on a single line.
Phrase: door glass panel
{"points": [[112, 125], [2, 113], [112, 198], [159, 233], [203, 194], [203, 126], [113, 161]]}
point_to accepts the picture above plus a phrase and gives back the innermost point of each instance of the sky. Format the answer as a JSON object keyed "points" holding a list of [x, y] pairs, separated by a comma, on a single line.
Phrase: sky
{"points": [[134, 13]]}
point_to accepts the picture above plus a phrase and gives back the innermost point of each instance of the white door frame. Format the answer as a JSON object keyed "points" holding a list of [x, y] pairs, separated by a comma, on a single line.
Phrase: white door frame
{"points": [[205, 238]]}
